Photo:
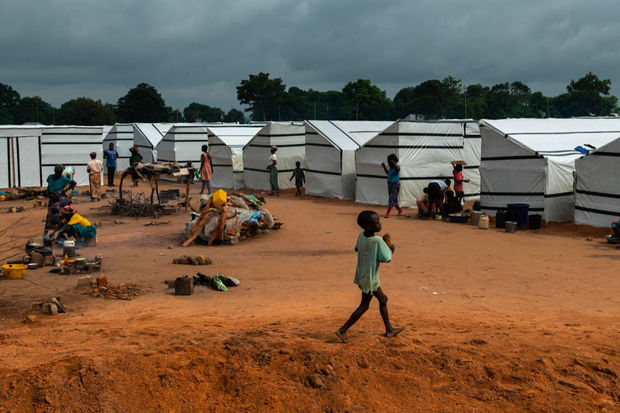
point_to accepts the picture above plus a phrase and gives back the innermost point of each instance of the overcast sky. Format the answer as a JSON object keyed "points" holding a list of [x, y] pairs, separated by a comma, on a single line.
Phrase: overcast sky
{"points": [[200, 50]]}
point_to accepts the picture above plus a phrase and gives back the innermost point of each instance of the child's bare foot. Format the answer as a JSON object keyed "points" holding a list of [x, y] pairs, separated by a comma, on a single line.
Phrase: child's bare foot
{"points": [[394, 331], [342, 336]]}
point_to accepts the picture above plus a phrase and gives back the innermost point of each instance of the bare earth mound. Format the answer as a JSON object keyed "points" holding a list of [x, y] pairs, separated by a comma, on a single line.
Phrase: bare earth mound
{"points": [[494, 322]]}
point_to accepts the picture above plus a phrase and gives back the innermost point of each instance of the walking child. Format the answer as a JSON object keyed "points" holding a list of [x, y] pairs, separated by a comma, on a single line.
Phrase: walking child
{"points": [[300, 178], [371, 250], [393, 179]]}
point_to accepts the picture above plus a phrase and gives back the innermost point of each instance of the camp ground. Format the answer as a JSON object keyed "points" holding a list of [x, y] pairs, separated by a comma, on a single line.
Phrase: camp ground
{"points": [[597, 195], [330, 155], [182, 143], [532, 161], [290, 139], [425, 150], [121, 135], [226, 143], [146, 136], [28, 154]]}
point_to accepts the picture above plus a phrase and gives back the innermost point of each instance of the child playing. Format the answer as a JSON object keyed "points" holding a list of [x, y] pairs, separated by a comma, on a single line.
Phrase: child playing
{"points": [[457, 174], [371, 250], [393, 178], [299, 176]]}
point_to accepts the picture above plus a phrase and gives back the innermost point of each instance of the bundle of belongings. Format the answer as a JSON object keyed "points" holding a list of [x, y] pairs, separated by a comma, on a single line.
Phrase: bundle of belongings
{"points": [[228, 219]]}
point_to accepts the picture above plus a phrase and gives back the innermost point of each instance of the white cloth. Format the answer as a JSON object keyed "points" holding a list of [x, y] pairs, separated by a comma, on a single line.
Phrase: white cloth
{"points": [[273, 159], [95, 166], [442, 184]]}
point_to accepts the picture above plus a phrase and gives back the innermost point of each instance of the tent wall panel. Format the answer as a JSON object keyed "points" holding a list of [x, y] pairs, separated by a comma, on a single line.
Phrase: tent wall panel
{"points": [[290, 139], [226, 143], [183, 144], [121, 135], [69, 146], [424, 149], [330, 155], [146, 136], [598, 186], [5, 162], [517, 154]]}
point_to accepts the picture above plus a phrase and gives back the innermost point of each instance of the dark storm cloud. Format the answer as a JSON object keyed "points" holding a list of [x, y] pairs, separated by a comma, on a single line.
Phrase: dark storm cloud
{"points": [[200, 50]]}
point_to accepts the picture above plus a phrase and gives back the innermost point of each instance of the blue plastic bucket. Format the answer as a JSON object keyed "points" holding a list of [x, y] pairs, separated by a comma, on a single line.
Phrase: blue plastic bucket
{"points": [[518, 213]]}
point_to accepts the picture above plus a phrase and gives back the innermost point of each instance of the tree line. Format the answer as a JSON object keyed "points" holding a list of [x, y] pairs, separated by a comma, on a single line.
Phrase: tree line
{"points": [[268, 99]]}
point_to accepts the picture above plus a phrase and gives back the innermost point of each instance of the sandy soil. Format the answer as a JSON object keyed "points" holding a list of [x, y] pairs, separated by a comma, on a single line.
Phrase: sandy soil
{"points": [[494, 321]]}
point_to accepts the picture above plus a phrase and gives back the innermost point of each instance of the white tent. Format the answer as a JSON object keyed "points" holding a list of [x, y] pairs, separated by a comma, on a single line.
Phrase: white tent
{"points": [[121, 135], [425, 150], [330, 155], [226, 143], [290, 139], [69, 146], [532, 161], [597, 199], [183, 143], [146, 136], [20, 156]]}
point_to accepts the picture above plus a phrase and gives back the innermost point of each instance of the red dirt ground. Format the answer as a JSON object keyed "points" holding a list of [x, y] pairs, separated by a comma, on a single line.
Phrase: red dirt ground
{"points": [[520, 322]]}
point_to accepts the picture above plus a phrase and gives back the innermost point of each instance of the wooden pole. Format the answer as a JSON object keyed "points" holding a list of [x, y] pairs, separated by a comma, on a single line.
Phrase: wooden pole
{"points": [[191, 171]]}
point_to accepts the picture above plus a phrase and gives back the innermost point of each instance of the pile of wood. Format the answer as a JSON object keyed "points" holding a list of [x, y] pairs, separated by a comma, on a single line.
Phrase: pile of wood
{"points": [[25, 193], [135, 205], [242, 216], [120, 292]]}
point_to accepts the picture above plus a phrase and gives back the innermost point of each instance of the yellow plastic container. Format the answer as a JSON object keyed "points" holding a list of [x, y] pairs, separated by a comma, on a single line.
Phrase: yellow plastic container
{"points": [[484, 222], [219, 197], [14, 271]]}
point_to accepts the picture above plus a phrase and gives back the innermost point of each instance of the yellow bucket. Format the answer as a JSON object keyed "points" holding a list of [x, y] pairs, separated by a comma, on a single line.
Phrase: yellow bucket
{"points": [[219, 197], [14, 271]]}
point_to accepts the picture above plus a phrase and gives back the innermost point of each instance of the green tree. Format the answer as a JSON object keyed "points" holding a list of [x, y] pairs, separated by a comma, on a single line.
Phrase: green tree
{"points": [[9, 99], [425, 99], [234, 115], [197, 112], [262, 94], [86, 111], [142, 104], [34, 109], [586, 96], [476, 101], [367, 101]]}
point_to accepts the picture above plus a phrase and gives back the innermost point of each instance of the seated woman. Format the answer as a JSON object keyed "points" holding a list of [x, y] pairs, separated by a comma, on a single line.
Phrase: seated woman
{"points": [[57, 187], [74, 225]]}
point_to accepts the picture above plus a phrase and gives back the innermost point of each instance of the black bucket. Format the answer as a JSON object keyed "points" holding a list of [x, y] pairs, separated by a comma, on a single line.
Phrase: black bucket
{"points": [[533, 221], [500, 218]]}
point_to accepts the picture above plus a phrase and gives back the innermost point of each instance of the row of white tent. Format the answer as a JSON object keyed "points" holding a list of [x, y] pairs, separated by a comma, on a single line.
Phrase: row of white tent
{"points": [[536, 161]]}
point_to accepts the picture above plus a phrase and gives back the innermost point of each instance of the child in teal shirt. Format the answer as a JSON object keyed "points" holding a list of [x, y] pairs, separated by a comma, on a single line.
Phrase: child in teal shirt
{"points": [[371, 250]]}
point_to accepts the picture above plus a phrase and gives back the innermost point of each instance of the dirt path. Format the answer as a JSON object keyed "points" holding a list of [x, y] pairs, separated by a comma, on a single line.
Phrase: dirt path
{"points": [[494, 322]]}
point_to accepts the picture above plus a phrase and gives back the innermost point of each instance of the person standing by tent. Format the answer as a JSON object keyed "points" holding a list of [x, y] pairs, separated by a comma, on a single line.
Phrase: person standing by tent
{"points": [[457, 174], [134, 160], [272, 167], [393, 179], [94, 169], [57, 187], [206, 169], [110, 155], [299, 176]]}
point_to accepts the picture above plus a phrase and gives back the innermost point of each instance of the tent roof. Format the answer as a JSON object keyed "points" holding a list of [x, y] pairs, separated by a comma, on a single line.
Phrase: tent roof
{"points": [[348, 135], [235, 135], [153, 132], [557, 137]]}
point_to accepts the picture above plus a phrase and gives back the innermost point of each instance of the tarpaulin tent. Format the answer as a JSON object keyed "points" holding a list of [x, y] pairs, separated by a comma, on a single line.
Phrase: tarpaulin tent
{"points": [[32, 153], [121, 135], [330, 155], [20, 157], [69, 146], [146, 136], [532, 161], [183, 143], [226, 143], [597, 199], [290, 138], [425, 150]]}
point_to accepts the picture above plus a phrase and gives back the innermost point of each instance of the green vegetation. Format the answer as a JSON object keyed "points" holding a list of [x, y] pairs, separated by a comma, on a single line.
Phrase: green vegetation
{"points": [[267, 99]]}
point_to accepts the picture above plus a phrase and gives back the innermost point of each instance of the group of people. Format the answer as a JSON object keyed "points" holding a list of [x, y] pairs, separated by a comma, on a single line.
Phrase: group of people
{"points": [[437, 196]]}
